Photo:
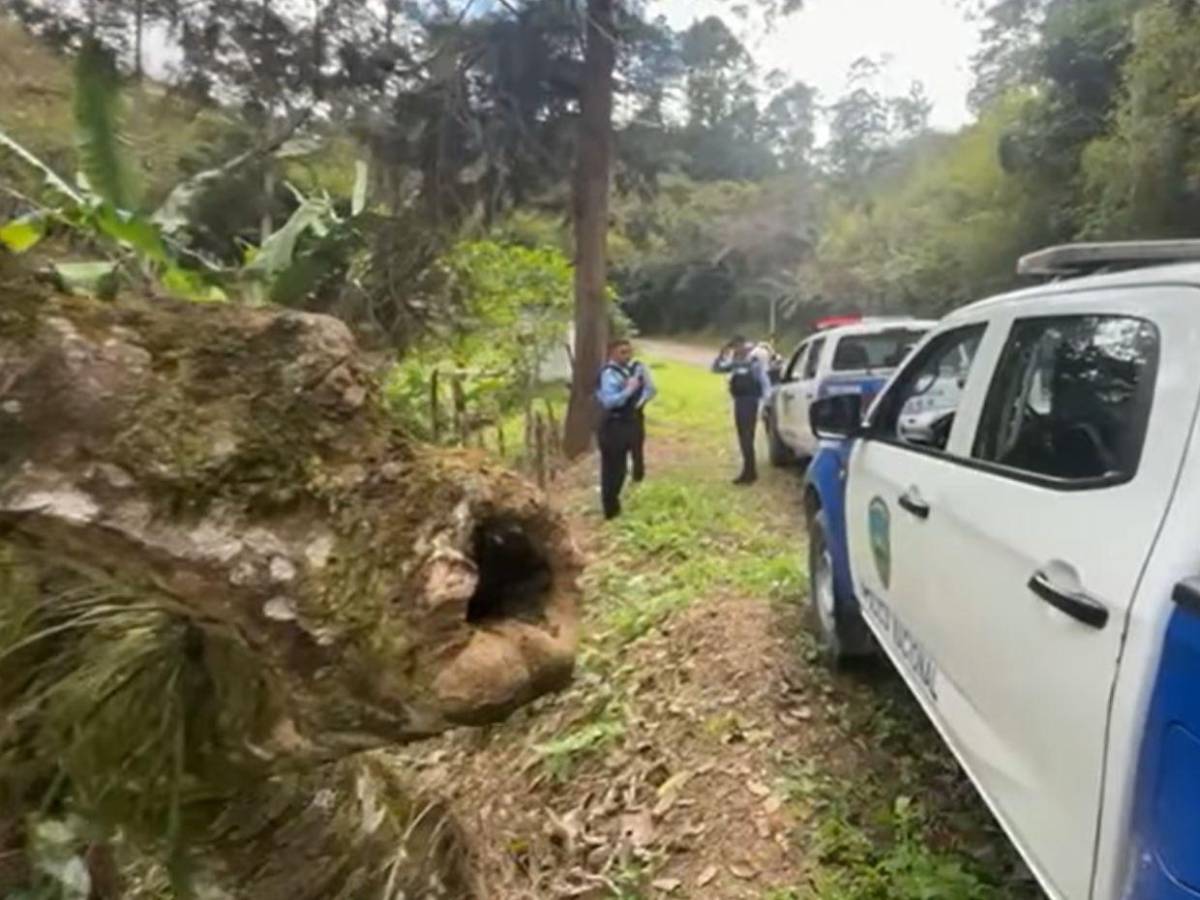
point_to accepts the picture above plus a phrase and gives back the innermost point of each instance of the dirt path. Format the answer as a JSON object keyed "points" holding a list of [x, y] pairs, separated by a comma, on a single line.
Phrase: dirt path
{"points": [[690, 354], [701, 752]]}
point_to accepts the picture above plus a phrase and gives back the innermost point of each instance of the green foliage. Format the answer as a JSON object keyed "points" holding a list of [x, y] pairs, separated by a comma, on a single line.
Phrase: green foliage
{"points": [[853, 867], [943, 233], [98, 127], [1142, 179], [564, 752], [907, 825], [23, 233], [705, 253], [515, 305], [87, 277]]}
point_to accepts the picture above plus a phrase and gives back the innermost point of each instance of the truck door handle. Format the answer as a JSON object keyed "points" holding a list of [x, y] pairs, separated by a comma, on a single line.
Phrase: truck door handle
{"points": [[1187, 594], [914, 505], [1075, 604]]}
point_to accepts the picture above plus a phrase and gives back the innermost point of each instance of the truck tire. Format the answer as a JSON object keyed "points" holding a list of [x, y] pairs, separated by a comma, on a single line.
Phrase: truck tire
{"points": [[778, 452], [840, 631]]}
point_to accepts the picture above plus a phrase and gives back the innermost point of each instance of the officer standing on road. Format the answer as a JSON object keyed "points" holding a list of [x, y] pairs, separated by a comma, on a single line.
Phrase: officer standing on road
{"points": [[619, 394], [638, 451], [750, 386]]}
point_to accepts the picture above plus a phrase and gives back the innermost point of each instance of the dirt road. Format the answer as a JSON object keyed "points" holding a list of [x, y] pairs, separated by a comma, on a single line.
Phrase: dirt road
{"points": [[692, 354]]}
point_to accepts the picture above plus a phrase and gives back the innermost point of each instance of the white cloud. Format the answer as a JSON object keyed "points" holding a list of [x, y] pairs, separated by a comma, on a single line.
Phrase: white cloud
{"points": [[930, 41]]}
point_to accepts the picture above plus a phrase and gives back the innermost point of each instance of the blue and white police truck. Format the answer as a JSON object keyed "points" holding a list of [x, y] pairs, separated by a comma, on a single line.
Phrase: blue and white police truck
{"points": [[847, 354], [1027, 554]]}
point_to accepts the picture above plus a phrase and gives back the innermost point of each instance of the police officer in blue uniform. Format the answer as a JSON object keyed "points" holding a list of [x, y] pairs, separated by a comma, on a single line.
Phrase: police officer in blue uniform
{"points": [[624, 389], [749, 385]]}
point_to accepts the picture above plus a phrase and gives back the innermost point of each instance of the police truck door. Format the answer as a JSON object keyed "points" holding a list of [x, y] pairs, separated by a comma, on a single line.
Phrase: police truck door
{"points": [[804, 393], [887, 511], [786, 396]]}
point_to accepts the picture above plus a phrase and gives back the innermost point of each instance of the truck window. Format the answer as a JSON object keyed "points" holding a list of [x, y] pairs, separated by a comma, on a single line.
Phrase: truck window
{"points": [[814, 359], [796, 364], [1070, 398], [883, 350], [920, 407]]}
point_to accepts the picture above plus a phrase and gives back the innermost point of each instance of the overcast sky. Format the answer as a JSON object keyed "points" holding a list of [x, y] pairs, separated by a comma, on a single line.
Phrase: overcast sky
{"points": [[927, 40]]}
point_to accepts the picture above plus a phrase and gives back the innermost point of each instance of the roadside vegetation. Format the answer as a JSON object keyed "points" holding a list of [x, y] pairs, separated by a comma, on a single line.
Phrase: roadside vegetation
{"points": [[704, 752]]}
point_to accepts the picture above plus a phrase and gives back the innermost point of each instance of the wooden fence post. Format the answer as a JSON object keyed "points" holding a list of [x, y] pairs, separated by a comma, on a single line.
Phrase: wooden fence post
{"points": [[527, 450], [460, 408], [435, 408], [555, 431], [539, 428]]}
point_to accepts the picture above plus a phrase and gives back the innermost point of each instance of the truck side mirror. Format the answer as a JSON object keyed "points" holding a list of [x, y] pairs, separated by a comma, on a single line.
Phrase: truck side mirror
{"points": [[839, 416]]}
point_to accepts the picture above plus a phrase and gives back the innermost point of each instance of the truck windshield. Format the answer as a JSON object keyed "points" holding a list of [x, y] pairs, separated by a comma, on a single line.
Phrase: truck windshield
{"points": [[882, 350]]}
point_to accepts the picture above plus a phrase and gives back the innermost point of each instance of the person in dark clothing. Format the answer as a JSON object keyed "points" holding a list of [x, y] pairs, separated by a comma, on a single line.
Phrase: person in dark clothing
{"points": [[750, 386], [637, 452], [619, 393]]}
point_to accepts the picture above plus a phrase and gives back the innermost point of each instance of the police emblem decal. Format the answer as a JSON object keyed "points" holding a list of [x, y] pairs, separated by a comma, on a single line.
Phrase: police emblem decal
{"points": [[879, 522]]}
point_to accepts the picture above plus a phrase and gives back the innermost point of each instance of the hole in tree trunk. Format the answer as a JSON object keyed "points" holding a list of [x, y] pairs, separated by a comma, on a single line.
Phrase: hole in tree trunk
{"points": [[514, 574]]}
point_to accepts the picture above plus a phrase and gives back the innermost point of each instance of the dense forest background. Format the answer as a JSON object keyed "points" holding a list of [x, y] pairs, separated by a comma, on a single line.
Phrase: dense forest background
{"points": [[738, 196]]}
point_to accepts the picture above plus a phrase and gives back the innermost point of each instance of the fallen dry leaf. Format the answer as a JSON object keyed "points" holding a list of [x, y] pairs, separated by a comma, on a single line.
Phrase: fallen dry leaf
{"points": [[666, 885], [758, 789], [706, 876], [743, 872]]}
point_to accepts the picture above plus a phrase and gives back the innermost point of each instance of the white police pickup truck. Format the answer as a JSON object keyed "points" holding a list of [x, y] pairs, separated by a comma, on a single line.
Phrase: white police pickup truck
{"points": [[851, 355], [1030, 559]]}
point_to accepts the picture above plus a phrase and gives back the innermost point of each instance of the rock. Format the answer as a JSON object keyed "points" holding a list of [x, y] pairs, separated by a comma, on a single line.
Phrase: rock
{"points": [[637, 829]]}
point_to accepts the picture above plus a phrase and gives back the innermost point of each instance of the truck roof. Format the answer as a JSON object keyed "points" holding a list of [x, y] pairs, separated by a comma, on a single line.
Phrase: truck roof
{"points": [[1187, 273], [873, 327]]}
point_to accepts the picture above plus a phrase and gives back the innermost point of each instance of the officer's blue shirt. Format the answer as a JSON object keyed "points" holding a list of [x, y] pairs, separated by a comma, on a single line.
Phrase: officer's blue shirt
{"points": [[723, 364], [612, 392]]}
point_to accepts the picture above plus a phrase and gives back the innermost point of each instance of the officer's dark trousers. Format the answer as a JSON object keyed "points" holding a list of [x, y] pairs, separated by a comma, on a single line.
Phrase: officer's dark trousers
{"points": [[616, 438], [745, 417], [637, 450]]}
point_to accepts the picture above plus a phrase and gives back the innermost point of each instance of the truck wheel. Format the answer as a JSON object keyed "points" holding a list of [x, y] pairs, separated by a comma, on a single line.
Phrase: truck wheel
{"points": [[778, 452], [840, 631]]}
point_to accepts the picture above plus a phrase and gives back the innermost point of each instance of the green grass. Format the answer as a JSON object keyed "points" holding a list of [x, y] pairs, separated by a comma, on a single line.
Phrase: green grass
{"points": [[686, 532], [563, 752], [692, 403], [865, 833]]}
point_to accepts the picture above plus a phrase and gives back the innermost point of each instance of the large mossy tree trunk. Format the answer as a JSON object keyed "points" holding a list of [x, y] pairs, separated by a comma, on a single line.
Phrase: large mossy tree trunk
{"points": [[224, 571]]}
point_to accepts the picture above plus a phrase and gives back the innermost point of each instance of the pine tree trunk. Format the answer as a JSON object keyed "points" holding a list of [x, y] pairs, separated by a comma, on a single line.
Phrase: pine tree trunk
{"points": [[139, 21], [593, 166]]}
